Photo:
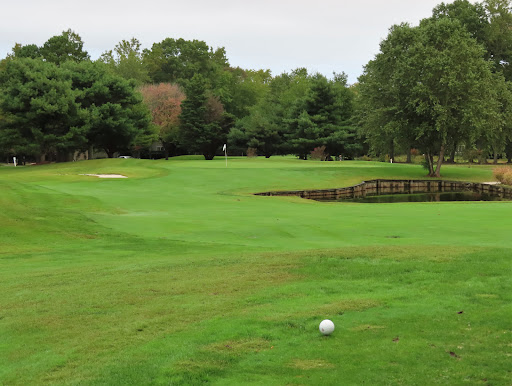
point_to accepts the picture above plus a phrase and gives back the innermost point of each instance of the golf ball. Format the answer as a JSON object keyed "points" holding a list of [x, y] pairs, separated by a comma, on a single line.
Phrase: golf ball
{"points": [[326, 327]]}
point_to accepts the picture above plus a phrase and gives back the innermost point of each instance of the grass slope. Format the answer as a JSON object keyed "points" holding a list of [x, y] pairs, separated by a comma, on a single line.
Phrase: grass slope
{"points": [[179, 275]]}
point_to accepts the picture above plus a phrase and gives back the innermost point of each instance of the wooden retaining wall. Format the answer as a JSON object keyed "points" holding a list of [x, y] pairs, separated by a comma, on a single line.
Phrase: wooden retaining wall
{"points": [[381, 187]]}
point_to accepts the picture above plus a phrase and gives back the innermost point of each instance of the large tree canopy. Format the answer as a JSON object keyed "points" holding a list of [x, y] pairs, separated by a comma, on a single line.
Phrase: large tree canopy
{"points": [[240, 89], [320, 118], [490, 23], [178, 60], [297, 113], [388, 119], [115, 112], [499, 35], [53, 111], [473, 17], [41, 111], [204, 124], [435, 85], [164, 101], [126, 60], [264, 128], [61, 48]]}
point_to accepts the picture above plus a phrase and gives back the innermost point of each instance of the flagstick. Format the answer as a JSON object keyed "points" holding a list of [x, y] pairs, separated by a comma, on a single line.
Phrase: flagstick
{"points": [[226, 153]]}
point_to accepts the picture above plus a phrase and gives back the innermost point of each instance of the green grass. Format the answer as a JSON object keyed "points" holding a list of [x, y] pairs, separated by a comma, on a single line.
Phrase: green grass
{"points": [[180, 275]]}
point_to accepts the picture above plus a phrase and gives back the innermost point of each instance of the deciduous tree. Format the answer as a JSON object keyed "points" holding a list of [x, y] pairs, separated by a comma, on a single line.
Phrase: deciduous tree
{"points": [[264, 128], [178, 60], [439, 88], [499, 35], [497, 125], [164, 101], [126, 60], [387, 118]]}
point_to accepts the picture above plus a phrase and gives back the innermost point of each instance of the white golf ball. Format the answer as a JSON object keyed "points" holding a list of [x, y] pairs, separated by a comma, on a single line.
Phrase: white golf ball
{"points": [[326, 327]]}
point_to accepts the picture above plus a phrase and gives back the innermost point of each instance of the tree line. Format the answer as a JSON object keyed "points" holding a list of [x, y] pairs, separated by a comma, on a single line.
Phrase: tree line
{"points": [[437, 87], [443, 84]]}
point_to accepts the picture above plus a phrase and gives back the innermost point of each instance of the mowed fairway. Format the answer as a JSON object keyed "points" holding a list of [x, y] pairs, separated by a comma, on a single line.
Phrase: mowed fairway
{"points": [[180, 275]]}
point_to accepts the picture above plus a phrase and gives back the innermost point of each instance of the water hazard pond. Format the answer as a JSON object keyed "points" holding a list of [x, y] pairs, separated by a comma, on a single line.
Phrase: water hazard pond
{"points": [[383, 191], [421, 197]]}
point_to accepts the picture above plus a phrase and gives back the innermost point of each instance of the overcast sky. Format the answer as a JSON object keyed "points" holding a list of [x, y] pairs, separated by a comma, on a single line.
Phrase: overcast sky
{"points": [[280, 35]]}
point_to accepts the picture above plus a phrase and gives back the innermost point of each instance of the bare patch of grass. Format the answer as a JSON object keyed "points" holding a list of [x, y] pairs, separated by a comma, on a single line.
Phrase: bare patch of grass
{"points": [[311, 364], [366, 327], [239, 347]]}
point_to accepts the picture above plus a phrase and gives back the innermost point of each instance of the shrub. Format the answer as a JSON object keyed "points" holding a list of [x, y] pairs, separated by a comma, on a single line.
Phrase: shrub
{"points": [[384, 158], [319, 153], [503, 175], [471, 154], [252, 152]]}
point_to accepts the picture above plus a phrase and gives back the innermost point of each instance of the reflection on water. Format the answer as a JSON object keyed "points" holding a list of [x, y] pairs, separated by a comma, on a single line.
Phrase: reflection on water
{"points": [[425, 197], [380, 191]]}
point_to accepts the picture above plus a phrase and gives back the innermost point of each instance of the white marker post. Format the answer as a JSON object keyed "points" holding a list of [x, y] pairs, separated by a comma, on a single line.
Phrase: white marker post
{"points": [[224, 148], [14, 161]]}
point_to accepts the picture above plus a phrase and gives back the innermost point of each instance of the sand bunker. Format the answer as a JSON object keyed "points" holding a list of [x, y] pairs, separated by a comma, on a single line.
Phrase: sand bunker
{"points": [[105, 175]]}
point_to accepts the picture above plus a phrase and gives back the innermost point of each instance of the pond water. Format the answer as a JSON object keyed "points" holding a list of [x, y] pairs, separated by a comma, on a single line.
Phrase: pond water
{"points": [[382, 191], [423, 197]]}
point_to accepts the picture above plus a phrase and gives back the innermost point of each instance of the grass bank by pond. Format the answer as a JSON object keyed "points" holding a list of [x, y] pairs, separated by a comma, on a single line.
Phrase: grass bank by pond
{"points": [[179, 274]]}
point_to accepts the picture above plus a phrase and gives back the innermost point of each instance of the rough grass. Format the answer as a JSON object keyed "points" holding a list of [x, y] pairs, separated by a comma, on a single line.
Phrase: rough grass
{"points": [[503, 174], [178, 275]]}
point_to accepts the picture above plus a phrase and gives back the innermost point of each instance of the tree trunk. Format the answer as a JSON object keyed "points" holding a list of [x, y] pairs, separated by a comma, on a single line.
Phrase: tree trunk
{"points": [[495, 160], [268, 150], [440, 162], [409, 157], [452, 155], [508, 150], [481, 158], [392, 152], [430, 162]]}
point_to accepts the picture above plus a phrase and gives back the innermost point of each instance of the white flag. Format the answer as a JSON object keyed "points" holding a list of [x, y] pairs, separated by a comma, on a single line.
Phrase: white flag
{"points": [[224, 147]]}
